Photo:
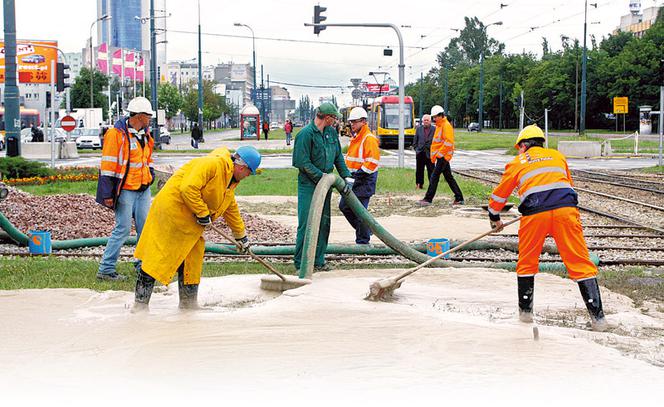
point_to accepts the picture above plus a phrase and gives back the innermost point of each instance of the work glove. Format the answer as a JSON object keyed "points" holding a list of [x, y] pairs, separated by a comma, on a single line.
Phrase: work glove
{"points": [[244, 245], [204, 221], [349, 185], [497, 225]]}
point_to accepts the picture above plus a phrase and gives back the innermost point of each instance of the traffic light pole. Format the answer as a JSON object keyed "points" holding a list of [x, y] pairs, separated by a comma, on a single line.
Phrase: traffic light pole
{"points": [[51, 114], [401, 75], [153, 73], [200, 73], [12, 110]]}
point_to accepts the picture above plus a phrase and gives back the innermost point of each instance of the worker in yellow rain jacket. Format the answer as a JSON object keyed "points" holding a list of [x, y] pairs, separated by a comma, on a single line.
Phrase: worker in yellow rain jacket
{"points": [[549, 208], [125, 177], [172, 241], [442, 149], [362, 160]]}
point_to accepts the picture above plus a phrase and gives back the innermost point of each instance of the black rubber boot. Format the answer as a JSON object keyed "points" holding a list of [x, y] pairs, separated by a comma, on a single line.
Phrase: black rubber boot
{"points": [[188, 293], [593, 300], [143, 292], [526, 291]]}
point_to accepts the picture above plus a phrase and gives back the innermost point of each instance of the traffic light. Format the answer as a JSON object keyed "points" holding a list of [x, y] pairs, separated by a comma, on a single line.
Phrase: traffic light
{"points": [[48, 99], [319, 18], [62, 75]]}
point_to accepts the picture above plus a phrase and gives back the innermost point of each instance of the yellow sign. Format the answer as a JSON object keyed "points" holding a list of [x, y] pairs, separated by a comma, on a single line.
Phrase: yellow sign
{"points": [[34, 60], [620, 105]]}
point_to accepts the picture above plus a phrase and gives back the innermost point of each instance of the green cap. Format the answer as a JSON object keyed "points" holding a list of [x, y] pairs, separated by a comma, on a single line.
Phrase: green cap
{"points": [[329, 109]]}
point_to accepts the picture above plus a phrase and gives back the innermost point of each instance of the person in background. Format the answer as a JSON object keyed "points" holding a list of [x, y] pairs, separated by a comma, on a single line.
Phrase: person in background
{"points": [[442, 150], [196, 135], [362, 159], [288, 128], [422, 147], [549, 206], [266, 128], [124, 180]]}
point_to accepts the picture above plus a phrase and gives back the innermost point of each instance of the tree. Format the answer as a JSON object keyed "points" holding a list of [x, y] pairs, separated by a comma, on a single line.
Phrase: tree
{"points": [[213, 105], [470, 44], [80, 90], [169, 99]]}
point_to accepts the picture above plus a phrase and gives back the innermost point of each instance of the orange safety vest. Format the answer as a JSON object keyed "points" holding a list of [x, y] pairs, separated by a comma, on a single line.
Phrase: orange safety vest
{"points": [[125, 159], [363, 152], [543, 181], [442, 144]]}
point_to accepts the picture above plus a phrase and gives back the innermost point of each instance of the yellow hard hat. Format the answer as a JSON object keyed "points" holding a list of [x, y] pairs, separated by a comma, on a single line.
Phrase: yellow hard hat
{"points": [[527, 133]]}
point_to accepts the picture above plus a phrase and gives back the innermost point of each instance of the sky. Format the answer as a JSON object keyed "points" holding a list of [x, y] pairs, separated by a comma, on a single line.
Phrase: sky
{"points": [[426, 28]]}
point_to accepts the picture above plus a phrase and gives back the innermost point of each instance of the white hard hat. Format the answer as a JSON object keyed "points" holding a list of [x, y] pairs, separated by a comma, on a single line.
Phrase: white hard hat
{"points": [[140, 105], [357, 113], [436, 110]]}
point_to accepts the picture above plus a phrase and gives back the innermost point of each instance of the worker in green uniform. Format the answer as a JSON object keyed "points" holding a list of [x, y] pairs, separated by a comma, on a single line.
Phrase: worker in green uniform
{"points": [[316, 152]]}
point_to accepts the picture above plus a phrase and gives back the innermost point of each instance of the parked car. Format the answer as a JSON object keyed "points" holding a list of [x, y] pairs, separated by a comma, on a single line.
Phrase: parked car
{"points": [[474, 127], [2, 141], [82, 131], [274, 126], [164, 135], [60, 135], [90, 140]]}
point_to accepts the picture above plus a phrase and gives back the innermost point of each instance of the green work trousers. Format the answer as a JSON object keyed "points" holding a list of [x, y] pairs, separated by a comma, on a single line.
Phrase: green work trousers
{"points": [[305, 192]]}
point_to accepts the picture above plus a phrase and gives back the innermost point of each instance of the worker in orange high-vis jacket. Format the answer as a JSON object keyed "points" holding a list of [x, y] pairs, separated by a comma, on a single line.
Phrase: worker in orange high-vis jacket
{"points": [[442, 149], [362, 160], [124, 179], [549, 208]]}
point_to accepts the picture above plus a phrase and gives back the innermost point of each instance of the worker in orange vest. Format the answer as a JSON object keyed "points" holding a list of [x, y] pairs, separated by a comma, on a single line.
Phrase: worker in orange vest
{"points": [[362, 160], [442, 149], [549, 208], [124, 179]]}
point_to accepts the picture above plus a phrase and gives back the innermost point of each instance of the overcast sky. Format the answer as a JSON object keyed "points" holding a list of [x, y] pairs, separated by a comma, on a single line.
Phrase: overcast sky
{"points": [[427, 24]]}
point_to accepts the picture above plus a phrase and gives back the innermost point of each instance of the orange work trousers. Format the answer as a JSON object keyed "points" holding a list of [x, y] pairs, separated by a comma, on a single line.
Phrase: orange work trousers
{"points": [[564, 225]]}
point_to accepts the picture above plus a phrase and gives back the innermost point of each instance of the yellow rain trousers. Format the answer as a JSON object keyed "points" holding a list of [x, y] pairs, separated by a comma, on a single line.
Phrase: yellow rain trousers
{"points": [[171, 235]]}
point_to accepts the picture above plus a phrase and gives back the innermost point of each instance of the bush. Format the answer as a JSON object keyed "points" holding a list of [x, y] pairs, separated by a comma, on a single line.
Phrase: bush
{"points": [[19, 167]]}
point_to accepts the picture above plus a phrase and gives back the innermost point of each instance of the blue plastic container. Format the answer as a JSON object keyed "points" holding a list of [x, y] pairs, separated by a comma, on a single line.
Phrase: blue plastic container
{"points": [[438, 246], [40, 242]]}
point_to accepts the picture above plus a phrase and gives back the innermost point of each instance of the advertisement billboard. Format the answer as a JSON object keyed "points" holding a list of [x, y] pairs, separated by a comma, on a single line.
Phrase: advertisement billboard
{"points": [[33, 59]]}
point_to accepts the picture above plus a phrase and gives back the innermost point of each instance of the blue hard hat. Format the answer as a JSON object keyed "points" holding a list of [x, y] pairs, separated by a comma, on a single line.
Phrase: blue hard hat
{"points": [[250, 156]]}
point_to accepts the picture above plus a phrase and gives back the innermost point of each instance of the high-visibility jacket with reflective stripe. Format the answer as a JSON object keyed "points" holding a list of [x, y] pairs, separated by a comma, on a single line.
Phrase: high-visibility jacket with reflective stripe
{"points": [[543, 181], [363, 152], [125, 164], [442, 145]]}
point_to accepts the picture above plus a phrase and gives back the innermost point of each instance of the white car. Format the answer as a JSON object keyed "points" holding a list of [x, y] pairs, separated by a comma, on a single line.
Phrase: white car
{"points": [[60, 135], [89, 141]]}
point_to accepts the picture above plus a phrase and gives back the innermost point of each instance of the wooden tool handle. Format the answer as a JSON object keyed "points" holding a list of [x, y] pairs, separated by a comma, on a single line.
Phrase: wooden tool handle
{"points": [[455, 248], [255, 257]]}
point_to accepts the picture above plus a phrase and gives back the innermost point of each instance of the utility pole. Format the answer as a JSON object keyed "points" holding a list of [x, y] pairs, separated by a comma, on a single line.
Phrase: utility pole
{"points": [[153, 73], [12, 110], [582, 126], [481, 101], [661, 122], [576, 99], [521, 112], [200, 73], [421, 92], [500, 108], [445, 100], [546, 128]]}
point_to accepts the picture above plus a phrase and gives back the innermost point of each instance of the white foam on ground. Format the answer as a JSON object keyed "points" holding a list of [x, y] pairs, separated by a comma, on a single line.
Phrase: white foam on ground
{"points": [[449, 334]]}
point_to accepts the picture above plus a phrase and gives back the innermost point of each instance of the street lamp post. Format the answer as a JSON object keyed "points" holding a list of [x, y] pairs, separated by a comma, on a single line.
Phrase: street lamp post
{"points": [[102, 18], [253, 43], [481, 101], [200, 73], [582, 119]]}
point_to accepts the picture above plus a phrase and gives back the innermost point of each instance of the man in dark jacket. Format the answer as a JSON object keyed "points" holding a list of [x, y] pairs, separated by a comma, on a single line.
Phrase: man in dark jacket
{"points": [[422, 146], [196, 135]]}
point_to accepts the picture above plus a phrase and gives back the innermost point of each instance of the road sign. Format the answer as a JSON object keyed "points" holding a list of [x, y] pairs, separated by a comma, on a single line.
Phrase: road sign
{"points": [[68, 123], [620, 105], [356, 94]]}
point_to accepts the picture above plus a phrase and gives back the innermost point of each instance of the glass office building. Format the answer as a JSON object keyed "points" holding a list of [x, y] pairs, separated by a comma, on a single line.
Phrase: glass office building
{"points": [[125, 28]]}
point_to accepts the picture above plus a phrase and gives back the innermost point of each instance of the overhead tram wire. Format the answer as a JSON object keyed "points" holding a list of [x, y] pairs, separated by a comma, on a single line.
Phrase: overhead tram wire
{"points": [[301, 85], [288, 39]]}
